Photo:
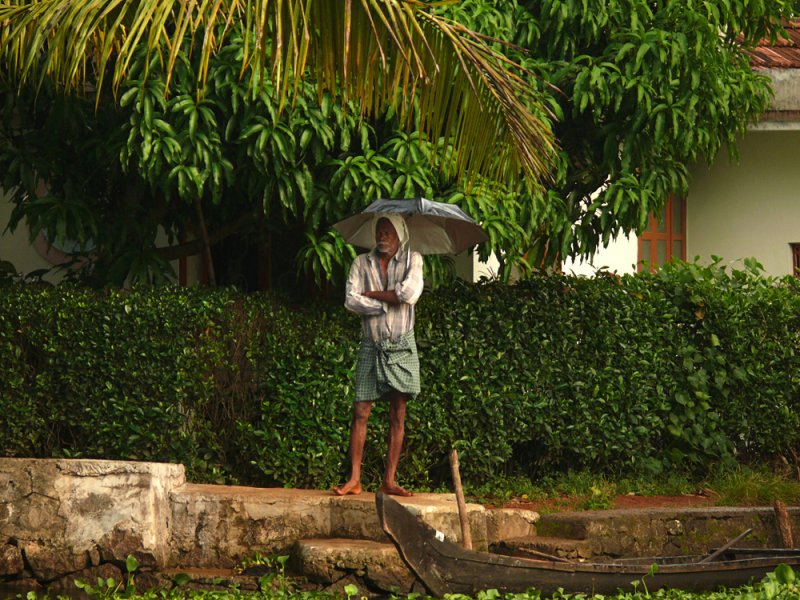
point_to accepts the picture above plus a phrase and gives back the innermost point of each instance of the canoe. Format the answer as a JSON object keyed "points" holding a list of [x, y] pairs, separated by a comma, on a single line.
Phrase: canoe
{"points": [[446, 568]]}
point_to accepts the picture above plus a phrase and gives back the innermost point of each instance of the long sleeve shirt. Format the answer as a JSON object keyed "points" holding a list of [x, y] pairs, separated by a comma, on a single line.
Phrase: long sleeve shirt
{"points": [[381, 320]]}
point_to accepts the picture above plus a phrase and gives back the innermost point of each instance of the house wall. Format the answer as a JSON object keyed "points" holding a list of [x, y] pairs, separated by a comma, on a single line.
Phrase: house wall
{"points": [[750, 208], [27, 256], [16, 247], [735, 210], [471, 268], [618, 257]]}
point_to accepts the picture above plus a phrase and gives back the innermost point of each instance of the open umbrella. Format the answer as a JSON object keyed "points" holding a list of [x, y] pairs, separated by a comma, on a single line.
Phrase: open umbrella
{"points": [[433, 227]]}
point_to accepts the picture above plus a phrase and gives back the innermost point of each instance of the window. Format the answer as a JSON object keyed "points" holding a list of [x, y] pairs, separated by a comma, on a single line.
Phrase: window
{"points": [[665, 236], [795, 259]]}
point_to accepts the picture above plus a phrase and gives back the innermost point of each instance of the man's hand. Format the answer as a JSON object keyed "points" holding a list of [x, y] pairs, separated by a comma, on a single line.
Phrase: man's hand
{"points": [[390, 297]]}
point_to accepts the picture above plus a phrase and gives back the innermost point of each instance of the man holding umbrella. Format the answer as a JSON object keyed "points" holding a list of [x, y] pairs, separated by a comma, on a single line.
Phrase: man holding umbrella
{"points": [[383, 287]]}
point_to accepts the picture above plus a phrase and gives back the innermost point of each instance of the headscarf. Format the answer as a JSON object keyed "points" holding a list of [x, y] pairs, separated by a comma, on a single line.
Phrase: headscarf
{"points": [[397, 221]]}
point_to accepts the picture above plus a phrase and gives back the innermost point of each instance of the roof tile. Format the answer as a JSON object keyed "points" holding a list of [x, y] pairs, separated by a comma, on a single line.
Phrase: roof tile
{"points": [[783, 54]]}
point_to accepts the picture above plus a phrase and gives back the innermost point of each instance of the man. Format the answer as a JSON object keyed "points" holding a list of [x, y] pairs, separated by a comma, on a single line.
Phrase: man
{"points": [[383, 287]]}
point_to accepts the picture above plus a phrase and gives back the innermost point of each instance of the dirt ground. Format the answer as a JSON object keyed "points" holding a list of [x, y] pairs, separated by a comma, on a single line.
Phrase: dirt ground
{"points": [[627, 501]]}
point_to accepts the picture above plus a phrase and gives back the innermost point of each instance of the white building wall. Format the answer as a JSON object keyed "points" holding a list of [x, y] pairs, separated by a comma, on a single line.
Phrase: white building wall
{"points": [[470, 267], [16, 247], [618, 257], [750, 208], [735, 210], [28, 256]]}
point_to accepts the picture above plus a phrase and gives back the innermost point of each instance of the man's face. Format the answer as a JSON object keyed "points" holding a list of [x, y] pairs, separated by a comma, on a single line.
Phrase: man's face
{"points": [[386, 238]]}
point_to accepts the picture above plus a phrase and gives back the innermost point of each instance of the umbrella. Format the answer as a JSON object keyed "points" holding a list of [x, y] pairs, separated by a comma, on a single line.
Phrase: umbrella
{"points": [[433, 227]]}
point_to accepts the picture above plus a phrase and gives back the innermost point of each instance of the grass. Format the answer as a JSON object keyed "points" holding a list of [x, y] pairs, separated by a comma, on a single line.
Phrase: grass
{"points": [[740, 486], [748, 487]]}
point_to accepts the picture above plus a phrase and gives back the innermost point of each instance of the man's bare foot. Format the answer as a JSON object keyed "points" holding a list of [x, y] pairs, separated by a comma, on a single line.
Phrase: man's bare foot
{"points": [[351, 488], [396, 490]]}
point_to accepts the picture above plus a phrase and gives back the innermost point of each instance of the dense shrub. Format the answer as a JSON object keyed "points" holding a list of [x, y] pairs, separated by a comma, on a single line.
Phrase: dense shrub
{"points": [[688, 367]]}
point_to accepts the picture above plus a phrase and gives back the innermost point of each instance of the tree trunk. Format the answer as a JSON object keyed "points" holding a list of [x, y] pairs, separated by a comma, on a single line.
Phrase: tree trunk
{"points": [[212, 279]]}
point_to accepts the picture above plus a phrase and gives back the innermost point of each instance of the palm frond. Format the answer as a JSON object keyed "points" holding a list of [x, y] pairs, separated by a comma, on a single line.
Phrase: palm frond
{"points": [[381, 54]]}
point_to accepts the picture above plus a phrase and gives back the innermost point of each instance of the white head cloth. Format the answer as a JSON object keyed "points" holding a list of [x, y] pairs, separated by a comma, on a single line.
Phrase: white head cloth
{"points": [[397, 221]]}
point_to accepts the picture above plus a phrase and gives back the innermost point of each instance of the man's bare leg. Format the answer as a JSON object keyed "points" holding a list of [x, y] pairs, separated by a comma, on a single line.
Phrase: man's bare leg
{"points": [[358, 435], [397, 419]]}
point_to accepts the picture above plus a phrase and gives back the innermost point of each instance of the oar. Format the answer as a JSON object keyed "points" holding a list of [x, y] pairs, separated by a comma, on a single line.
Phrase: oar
{"points": [[719, 551]]}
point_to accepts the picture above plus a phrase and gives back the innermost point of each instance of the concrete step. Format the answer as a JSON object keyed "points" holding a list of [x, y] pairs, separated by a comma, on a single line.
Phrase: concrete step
{"points": [[355, 517], [333, 562], [220, 525], [508, 523], [216, 526]]}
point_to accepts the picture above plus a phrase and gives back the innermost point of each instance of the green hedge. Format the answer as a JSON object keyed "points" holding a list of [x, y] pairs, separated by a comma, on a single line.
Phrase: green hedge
{"points": [[687, 368]]}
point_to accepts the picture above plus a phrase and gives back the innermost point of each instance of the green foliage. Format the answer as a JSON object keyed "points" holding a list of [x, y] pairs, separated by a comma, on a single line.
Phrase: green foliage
{"points": [[108, 588], [640, 91], [121, 172], [780, 584], [679, 371]]}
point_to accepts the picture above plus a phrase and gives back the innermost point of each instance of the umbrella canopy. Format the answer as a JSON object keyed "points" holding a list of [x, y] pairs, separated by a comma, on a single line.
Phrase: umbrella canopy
{"points": [[433, 227]]}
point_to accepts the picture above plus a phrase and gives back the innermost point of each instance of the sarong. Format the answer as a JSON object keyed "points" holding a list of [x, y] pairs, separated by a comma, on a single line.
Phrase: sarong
{"points": [[387, 365]]}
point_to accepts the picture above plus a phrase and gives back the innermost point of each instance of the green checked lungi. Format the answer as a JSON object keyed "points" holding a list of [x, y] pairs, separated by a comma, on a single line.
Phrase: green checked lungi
{"points": [[386, 366]]}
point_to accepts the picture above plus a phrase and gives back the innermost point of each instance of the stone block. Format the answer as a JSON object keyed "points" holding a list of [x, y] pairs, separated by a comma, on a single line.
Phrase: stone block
{"points": [[19, 587], [58, 509], [11, 563], [327, 561], [120, 543], [48, 561], [507, 523], [440, 511], [356, 517], [215, 525]]}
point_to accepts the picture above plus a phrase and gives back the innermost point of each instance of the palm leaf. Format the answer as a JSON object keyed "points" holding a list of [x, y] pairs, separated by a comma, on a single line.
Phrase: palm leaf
{"points": [[384, 55]]}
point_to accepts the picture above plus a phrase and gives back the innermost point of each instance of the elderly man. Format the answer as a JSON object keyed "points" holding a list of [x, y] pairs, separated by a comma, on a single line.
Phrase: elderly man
{"points": [[382, 288]]}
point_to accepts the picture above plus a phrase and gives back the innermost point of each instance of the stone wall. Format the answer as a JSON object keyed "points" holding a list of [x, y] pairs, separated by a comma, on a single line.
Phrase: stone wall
{"points": [[664, 531], [66, 519], [61, 517]]}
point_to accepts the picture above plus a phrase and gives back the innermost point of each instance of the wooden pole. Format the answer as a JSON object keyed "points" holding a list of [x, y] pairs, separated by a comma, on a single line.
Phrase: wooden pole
{"points": [[784, 524], [722, 549], [466, 535]]}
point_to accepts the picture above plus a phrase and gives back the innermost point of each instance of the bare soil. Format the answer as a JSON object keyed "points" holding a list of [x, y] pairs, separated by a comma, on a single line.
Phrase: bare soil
{"points": [[571, 503]]}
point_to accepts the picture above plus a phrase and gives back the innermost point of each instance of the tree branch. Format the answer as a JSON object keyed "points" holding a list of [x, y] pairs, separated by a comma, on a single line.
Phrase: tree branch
{"points": [[195, 246]]}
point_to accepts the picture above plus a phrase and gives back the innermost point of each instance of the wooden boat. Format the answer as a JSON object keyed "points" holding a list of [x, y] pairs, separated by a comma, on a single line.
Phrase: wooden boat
{"points": [[445, 567]]}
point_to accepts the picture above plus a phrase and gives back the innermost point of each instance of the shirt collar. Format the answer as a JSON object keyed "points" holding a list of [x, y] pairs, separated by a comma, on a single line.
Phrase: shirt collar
{"points": [[374, 255]]}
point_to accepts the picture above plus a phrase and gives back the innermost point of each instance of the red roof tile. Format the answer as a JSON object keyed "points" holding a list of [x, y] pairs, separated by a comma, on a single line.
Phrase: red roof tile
{"points": [[783, 54]]}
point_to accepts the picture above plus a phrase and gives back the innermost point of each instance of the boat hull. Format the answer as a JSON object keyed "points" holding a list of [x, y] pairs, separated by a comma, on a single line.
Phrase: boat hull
{"points": [[445, 567]]}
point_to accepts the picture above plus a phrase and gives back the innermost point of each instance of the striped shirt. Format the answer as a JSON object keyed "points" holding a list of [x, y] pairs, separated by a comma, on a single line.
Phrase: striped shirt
{"points": [[381, 320]]}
